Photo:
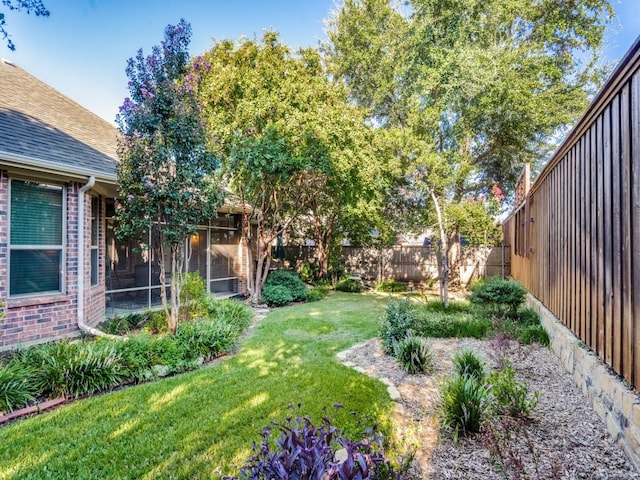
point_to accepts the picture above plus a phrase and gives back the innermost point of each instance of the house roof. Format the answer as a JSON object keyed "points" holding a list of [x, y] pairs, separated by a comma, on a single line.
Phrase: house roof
{"points": [[41, 129]]}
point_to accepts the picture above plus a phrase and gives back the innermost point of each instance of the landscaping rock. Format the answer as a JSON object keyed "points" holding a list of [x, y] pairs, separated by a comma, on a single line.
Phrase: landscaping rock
{"points": [[394, 393], [161, 370]]}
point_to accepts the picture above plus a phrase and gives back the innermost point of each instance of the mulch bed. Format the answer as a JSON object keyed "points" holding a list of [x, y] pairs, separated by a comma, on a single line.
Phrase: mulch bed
{"points": [[564, 439]]}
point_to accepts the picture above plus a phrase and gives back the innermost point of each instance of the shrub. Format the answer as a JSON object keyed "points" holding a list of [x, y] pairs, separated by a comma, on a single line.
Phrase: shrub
{"points": [[308, 272], [317, 293], [527, 316], [229, 310], [535, 333], [349, 285], [207, 338], [276, 295], [464, 403], [391, 286], [401, 317], [442, 325], [75, 369], [156, 322], [305, 450], [508, 396], [16, 387], [414, 354], [289, 280], [500, 296], [468, 364], [193, 289], [121, 324]]}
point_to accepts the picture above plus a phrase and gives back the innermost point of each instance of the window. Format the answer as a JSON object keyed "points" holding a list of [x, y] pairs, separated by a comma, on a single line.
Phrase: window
{"points": [[95, 234], [36, 238]]}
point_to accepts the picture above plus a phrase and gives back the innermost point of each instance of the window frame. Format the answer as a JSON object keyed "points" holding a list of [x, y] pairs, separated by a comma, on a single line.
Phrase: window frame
{"points": [[94, 247], [62, 247]]}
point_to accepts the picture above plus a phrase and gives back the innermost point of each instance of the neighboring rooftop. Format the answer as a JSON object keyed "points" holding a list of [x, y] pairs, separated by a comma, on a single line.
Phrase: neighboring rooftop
{"points": [[39, 123]]}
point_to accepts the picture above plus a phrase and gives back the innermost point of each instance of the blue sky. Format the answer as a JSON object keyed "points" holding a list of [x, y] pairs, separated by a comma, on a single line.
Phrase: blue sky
{"points": [[82, 48]]}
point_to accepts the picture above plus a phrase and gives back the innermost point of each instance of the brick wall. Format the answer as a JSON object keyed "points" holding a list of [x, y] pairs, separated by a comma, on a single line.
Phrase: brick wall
{"points": [[41, 318]]}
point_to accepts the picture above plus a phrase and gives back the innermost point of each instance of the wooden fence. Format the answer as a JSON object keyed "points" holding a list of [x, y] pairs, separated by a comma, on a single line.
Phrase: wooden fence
{"points": [[576, 236], [411, 263]]}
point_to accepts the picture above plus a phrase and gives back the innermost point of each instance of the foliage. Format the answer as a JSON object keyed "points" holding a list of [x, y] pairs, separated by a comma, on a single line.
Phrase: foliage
{"points": [[193, 290], [73, 369], [468, 364], [165, 173], [306, 450], [276, 295], [291, 281], [209, 338], [508, 396], [317, 293], [439, 325], [282, 130], [155, 322], [227, 310], [464, 404], [349, 285], [16, 386], [35, 6], [414, 354], [308, 272], [400, 318], [121, 324], [391, 286], [500, 296], [535, 333], [528, 316]]}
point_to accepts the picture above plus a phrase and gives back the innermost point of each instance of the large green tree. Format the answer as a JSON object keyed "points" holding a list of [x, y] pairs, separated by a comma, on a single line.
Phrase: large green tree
{"points": [[165, 175], [477, 87], [269, 117]]}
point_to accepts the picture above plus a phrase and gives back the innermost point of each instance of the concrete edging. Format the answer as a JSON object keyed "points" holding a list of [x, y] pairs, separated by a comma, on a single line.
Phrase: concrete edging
{"points": [[612, 399]]}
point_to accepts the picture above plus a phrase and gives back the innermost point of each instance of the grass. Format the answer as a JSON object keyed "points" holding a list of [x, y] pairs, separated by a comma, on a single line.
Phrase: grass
{"points": [[202, 424]]}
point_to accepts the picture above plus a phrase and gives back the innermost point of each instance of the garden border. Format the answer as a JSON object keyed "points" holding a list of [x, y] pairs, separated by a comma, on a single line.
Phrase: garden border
{"points": [[617, 405]]}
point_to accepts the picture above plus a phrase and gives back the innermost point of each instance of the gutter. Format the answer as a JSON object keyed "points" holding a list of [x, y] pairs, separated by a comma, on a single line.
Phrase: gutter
{"points": [[80, 272]]}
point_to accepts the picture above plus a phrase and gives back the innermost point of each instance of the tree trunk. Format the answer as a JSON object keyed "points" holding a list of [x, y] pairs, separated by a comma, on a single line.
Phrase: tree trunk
{"points": [[177, 262], [444, 270]]}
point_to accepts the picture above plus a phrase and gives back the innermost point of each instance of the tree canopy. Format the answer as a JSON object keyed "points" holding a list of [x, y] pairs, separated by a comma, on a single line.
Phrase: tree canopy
{"points": [[166, 175], [28, 6]]}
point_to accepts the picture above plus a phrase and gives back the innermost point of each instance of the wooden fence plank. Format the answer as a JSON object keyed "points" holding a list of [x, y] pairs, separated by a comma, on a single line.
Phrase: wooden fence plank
{"points": [[607, 236], [599, 227], [635, 222], [616, 239], [627, 325]]}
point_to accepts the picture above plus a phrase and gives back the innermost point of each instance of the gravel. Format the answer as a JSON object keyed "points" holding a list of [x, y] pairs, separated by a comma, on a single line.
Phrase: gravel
{"points": [[563, 439]]}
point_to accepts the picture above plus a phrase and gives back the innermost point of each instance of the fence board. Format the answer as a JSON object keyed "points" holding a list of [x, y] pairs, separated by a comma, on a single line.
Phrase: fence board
{"points": [[580, 222]]}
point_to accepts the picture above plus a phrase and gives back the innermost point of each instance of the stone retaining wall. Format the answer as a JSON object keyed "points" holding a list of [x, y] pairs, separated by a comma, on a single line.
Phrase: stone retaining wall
{"points": [[615, 403]]}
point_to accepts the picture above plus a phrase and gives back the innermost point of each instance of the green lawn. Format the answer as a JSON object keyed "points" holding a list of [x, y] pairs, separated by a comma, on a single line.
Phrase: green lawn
{"points": [[202, 424]]}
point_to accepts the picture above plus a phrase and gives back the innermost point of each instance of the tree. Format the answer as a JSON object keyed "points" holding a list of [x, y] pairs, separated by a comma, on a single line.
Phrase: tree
{"points": [[166, 180], [482, 86], [35, 6], [276, 122]]}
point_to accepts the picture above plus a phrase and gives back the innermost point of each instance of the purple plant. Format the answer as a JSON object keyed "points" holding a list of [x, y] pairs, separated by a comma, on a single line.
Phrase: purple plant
{"points": [[307, 451]]}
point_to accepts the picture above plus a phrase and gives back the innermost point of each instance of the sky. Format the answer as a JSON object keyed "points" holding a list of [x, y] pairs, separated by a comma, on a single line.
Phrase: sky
{"points": [[82, 48]]}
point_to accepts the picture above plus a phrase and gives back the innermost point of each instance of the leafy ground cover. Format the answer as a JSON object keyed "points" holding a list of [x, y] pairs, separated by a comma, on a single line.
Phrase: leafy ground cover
{"points": [[202, 424]]}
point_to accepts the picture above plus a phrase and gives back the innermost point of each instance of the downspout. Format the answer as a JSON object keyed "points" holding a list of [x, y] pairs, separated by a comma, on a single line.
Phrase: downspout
{"points": [[80, 269]]}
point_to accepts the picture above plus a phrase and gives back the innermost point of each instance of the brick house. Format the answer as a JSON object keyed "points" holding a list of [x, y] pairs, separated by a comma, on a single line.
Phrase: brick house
{"points": [[58, 184]]}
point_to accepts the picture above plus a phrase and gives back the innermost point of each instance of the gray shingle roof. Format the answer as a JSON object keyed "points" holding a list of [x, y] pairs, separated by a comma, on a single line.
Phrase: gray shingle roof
{"points": [[38, 122]]}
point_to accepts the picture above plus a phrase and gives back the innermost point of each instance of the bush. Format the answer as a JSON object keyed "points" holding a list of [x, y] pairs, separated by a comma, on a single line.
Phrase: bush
{"points": [[414, 354], [400, 318], [308, 272], [156, 322], [317, 293], [207, 338], [448, 326], [305, 450], [508, 396], [16, 387], [121, 325], [391, 286], [227, 310], [500, 296], [276, 295], [349, 285], [535, 333], [468, 364], [193, 289], [464, 403], [75, 369], [528, 316], [289, 280]]}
